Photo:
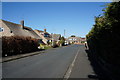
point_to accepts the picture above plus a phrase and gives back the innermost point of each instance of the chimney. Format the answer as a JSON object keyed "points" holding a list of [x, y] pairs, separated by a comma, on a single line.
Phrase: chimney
{"points": [[22, 24], [44, 30]]}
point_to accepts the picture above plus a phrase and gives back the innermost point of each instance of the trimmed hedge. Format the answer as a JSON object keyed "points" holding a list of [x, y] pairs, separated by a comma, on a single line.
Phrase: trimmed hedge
{"points": [[17, 45], [104, 38]]}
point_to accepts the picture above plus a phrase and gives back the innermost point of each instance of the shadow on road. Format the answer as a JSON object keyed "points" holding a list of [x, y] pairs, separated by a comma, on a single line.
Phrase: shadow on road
{"points": [[100, 73]]}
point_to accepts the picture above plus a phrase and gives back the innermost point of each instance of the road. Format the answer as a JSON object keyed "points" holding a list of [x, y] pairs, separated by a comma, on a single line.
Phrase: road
{"points": [[54, 63]]}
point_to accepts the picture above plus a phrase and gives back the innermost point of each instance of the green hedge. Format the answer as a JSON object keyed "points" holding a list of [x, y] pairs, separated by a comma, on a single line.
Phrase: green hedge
{"points": [[104, 37], [17, 45]]}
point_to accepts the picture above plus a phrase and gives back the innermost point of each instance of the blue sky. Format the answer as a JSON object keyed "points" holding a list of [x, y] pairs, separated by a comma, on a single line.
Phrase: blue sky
{"points": [[77, 18]]}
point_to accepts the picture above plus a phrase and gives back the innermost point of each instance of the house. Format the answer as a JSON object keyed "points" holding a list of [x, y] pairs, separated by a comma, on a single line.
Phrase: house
{"points": [[55, 37], [83, 40], [12, 29], [73, 39], [46, 37]]}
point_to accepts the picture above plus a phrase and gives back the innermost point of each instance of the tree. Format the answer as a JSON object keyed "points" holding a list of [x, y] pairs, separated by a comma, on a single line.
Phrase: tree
{"points": [[62, 41], [73, 36]]}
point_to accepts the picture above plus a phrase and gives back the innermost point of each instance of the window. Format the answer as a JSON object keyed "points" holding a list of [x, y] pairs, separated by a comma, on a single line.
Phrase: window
{"points": [[1, 29], [10, 31], [46, 35], [41, 33]]}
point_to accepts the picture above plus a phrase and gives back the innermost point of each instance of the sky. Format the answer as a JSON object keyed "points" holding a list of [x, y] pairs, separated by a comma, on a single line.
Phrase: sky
{"points": [[76, 18]]}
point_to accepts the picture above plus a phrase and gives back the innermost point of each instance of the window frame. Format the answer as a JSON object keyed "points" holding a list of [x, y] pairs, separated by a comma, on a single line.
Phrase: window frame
{"points": [[1, 29]]}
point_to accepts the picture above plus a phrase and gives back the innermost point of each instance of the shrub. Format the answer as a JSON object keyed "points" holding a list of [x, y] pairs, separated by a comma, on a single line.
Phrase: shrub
{"points": [[54, 44], [17, 45], [43, 46], [61, 43]]}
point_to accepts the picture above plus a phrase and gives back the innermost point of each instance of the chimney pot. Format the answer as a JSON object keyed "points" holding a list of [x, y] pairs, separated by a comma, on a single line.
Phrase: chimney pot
{"points": [[45, 30], [22, 24]]}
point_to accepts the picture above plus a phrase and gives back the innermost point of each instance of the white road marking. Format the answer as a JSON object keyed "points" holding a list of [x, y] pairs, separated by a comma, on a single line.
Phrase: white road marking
{"points": [[68, 73]]}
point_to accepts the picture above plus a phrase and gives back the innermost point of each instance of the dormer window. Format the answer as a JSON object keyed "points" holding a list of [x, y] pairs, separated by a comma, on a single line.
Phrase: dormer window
{"points": [[1, 29], [46, 35]]}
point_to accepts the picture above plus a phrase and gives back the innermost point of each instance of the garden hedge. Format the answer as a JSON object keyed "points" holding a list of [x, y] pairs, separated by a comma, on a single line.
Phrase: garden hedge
{"points": [[18, 44], [104, 38]]}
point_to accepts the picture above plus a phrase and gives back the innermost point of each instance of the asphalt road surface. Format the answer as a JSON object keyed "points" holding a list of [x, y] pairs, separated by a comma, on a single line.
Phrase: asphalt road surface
{"points": [[54, 63]]}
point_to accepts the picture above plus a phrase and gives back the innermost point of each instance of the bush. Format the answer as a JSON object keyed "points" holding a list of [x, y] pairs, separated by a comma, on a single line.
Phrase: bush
{"points": [[61, 43], [17, 45], [54, 44], [43, 46]]}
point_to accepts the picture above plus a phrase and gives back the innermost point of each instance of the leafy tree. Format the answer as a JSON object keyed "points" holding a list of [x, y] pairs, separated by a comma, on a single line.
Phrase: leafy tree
{"points": [[62, 41], [73, 36]]}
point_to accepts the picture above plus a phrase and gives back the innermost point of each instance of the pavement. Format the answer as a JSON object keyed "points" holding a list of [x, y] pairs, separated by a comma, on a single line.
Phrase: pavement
{"points": [[53, 63], [82, 67], [19, 56]]}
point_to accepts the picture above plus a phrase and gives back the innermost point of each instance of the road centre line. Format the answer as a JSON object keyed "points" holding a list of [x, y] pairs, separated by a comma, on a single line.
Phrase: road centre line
{"points": [[68, 72]]}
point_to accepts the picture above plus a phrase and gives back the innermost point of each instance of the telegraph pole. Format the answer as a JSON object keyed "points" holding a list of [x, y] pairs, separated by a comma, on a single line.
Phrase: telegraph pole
{"points": [[64, 32], [52, 38]]}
